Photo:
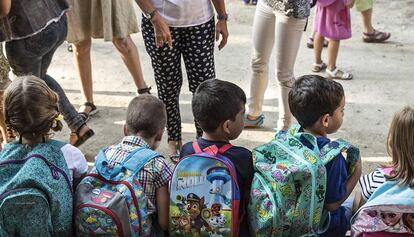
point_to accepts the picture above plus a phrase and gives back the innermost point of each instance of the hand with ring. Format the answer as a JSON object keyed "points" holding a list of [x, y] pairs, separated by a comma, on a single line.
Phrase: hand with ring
{"points": [[161, 31]]}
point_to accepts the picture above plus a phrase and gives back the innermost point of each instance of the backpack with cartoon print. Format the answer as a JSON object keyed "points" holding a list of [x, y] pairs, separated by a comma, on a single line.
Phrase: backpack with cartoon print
{"points": [[110, 201], [288, 189], [204, 195], [388, 212]]}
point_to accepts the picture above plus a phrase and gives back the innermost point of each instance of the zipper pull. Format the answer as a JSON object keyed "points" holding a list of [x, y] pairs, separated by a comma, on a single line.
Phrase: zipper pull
{"points": [[55, 173]]}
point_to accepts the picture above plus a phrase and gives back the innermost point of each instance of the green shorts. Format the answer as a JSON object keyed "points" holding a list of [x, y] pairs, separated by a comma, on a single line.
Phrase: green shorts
{"points": [[363, 5]]}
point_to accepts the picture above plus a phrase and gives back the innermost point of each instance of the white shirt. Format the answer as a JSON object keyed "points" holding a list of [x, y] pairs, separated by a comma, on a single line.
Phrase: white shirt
{"points": [[184, 13], [75, 160]]}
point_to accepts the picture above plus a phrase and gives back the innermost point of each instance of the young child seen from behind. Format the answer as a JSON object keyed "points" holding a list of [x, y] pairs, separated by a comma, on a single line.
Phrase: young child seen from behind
{"points": [[149, 172], [218, 107], [39, 171], [333, 21], [318, 105]]}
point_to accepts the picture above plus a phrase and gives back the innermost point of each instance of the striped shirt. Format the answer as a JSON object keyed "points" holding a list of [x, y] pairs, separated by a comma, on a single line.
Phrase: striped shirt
{"points": [[370, 182], [156, 173]]}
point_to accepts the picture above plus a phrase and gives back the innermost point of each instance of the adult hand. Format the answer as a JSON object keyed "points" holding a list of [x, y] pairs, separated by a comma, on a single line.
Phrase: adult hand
{"points": [[221, 29], [161, 31]]}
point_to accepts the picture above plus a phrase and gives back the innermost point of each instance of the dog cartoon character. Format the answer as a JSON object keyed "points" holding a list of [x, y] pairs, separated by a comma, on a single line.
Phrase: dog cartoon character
{"points": [[408, 219], [195, 205], [217, 221], [185, 224], [390, 218]]}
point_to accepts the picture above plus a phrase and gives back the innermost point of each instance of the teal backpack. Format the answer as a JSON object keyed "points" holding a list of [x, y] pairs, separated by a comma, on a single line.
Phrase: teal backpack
{"points": [[36, 197], [110, 201], [288, 188]]}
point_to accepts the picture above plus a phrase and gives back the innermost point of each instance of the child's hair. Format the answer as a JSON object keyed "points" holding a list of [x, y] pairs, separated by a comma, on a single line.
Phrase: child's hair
{"points": [[312, 96], [31, 108], [146, 116], [401, 146], [216, 101]]}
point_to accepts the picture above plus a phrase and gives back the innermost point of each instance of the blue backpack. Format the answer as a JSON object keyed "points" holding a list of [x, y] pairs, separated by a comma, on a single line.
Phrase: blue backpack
{"points": [[204, 195], [36, 197], [110, 201]]}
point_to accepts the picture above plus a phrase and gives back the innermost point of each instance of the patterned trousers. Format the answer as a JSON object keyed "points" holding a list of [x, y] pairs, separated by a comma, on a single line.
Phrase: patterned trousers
{"points": [[196, 45]]}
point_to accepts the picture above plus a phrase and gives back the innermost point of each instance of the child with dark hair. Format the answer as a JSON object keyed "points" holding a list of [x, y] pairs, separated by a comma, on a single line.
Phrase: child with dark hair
{"points": [[145, 124], [218, 107], [318, 105]]}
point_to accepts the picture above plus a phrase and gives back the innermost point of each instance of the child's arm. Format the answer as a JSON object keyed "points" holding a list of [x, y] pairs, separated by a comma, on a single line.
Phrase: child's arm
{"points": [[349, 3], [162, 196], [350, 185], [4, 7]]}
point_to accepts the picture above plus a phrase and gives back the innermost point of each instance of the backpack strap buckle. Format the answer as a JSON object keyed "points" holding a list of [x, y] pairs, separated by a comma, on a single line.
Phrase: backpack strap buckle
{"points": [[213, 149]]}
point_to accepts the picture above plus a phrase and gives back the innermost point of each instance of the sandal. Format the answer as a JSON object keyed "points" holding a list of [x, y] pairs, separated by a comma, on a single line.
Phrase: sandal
{"points": [[309, 44], [339, 75], [253, 123], [376, 37], [82, 139], [175, 158], [146, 90], [86, 115], [318, 67]]}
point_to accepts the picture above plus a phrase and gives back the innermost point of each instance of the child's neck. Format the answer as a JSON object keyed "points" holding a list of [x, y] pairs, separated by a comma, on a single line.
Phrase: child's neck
{"points": [[218, 137], [315, 132]]}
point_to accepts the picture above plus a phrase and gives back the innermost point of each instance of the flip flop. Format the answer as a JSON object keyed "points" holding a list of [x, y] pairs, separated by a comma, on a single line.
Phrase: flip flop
{"points": [[253, 123], [318, 67], [335, 75], [86, 116]]}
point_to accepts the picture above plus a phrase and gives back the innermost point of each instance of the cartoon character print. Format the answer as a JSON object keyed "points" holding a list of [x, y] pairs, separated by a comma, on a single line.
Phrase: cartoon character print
{"points": [[408, 220], [96, 222], [309, 157], [279, 177], [295, 143], [390, 218], [320, 192], [216, 222], [195, 206]]}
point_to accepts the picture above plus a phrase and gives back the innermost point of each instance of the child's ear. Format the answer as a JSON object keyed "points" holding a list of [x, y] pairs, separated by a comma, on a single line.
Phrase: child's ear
{"points": [[226, 126], [158, 137], [325, 120], [125, 130]]}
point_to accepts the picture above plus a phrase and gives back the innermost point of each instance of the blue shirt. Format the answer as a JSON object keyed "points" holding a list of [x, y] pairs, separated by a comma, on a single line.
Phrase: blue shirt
{"points": [[337, 178], [243, 163]]}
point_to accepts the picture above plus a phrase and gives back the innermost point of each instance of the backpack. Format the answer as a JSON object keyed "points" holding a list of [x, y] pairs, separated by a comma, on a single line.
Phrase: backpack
{"points": [[36, 197], [110, 201], [389, 210], [289, 184], [204, 195]]}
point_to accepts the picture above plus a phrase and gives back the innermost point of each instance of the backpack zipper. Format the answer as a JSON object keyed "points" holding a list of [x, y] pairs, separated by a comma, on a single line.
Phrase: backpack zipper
{"points": [[53, 168]]}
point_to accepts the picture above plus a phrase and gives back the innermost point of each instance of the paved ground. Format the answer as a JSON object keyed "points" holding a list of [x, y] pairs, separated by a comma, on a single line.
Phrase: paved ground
{"points": [[383, 81]]}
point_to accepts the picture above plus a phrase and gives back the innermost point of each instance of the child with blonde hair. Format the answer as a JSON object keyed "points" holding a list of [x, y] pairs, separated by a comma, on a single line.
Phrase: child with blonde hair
{"points": [[36, 172]]}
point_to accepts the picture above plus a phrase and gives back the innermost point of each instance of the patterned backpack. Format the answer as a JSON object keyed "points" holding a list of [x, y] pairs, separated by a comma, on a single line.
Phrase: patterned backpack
{"points": [[36, 197], [288, 188], [388, 212], [204, 195], [110, 201]]}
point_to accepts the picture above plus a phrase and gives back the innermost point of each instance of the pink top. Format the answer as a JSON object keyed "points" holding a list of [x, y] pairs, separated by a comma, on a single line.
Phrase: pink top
{"points": [[333, 19]]}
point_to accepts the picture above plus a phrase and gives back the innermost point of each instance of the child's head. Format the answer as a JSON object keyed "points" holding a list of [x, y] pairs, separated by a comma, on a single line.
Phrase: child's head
{"points": [[317, 103], [401, 145], [146, 117], [31, 108], [218, 107]]}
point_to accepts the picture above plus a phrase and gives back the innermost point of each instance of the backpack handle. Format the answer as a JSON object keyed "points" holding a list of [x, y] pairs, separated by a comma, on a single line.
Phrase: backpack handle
{"points": [[133, 162], [212, 150]]}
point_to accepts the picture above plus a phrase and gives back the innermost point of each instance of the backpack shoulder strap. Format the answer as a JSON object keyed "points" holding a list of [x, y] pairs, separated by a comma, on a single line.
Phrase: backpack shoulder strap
{"points": [[334, 148], [138, 158], [213, 149]]}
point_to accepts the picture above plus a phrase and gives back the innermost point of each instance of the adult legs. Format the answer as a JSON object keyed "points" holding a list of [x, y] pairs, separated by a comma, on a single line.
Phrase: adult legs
{"points": [[198, 53], [166, 64], [263, 40], [83, 64], [130, 56], [288, 34]]}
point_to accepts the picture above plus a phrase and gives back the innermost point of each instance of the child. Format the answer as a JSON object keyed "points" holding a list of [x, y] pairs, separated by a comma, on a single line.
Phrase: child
{"points": [[333, 21], [142, 130], [401, 149], [218, 107], [42, 167], [318, 105]]}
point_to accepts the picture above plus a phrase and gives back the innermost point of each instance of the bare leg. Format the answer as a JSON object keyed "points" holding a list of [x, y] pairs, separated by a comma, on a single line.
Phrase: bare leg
{"points": [[82, 58], [358, 202], [318, 45], [367, 21], [130, 56], [333, 49]]}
